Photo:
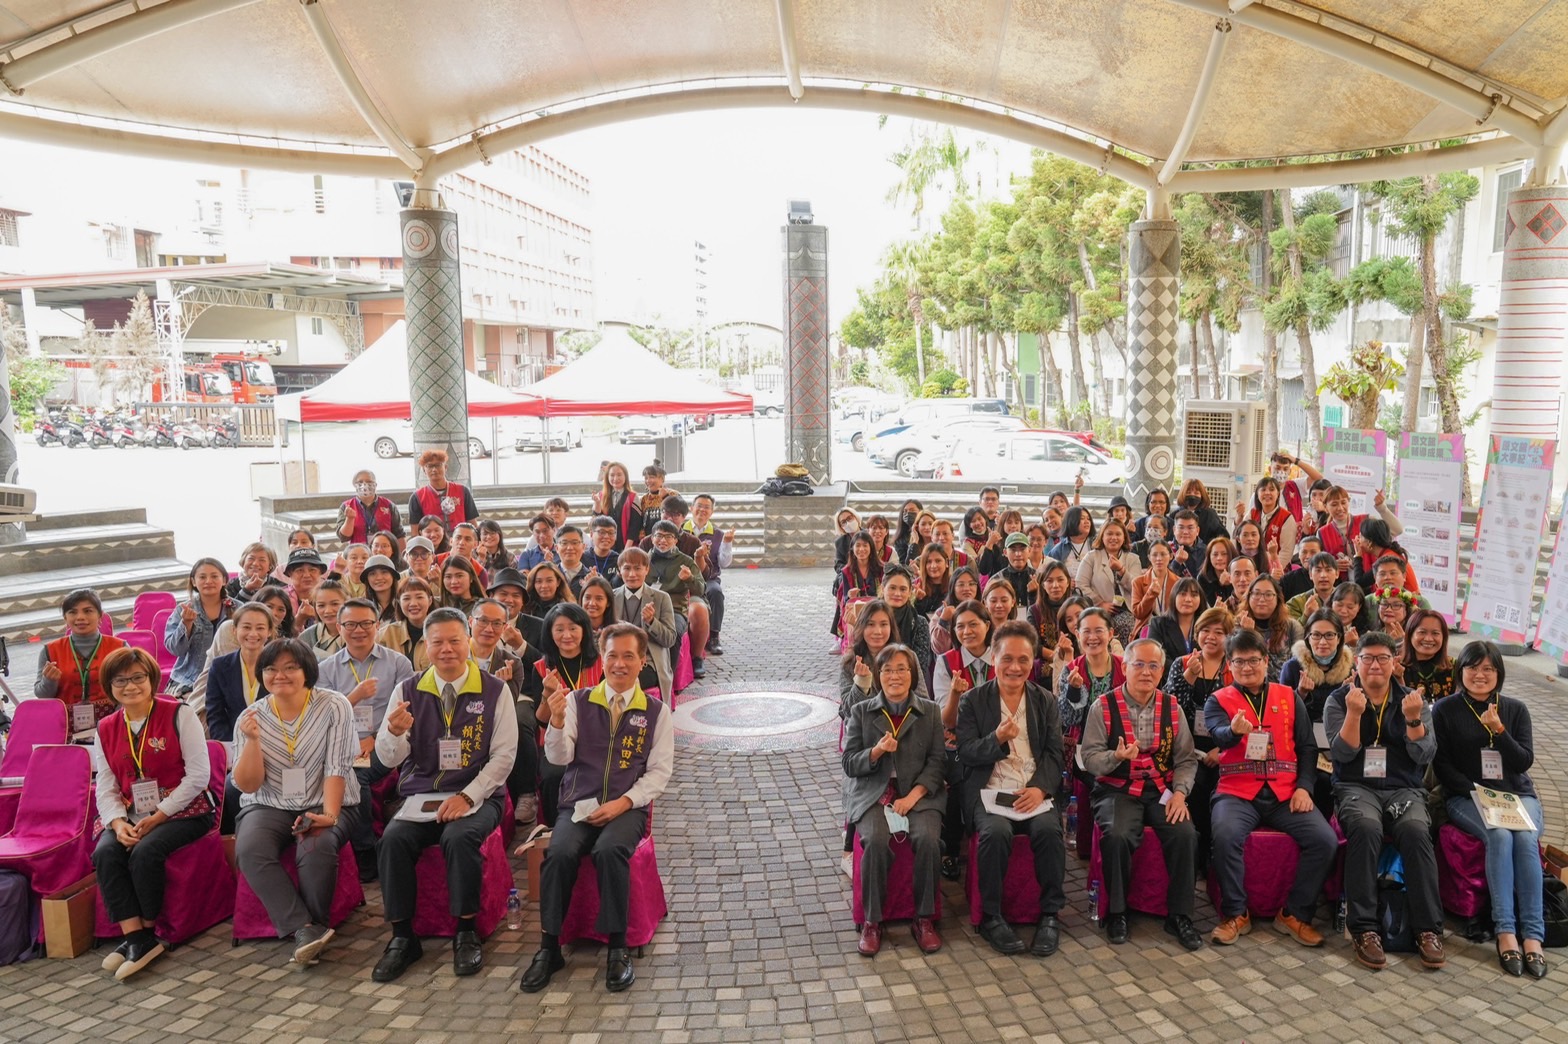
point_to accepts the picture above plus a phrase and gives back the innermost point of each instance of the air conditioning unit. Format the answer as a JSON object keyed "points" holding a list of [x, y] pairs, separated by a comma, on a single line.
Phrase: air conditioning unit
{"points": [[17, 504], [1222, 447]]}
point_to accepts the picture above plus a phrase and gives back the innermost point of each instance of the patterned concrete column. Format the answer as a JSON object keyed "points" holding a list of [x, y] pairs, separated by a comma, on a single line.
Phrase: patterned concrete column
{"points": [[807, 409], [433, 306], [1154, 261], [15, 532], [1532, 314]]}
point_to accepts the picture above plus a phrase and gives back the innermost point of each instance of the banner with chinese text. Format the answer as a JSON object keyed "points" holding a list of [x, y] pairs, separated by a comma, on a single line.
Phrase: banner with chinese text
{"points": [[1358, 461], [1431, 481], [1508, 538]]}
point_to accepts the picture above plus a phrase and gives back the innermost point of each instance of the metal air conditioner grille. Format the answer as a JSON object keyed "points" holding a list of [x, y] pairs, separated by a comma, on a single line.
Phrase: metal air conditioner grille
{"points": [[1210, 440]]}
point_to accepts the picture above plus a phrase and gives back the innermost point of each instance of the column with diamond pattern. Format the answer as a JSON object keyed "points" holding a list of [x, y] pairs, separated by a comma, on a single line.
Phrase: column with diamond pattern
{"points": [[807, 439], [433, 307], [1154, 261], [1532, 314]]}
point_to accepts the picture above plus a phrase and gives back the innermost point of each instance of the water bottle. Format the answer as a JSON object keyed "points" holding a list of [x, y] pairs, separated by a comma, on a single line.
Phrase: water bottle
{"points": [[1072, 821], [1094, 902], [514, 911], [1341, 916]]}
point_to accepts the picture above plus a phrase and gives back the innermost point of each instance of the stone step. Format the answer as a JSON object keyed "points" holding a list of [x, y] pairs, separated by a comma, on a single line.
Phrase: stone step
{"points": [[85, 545], [90, 517], [32, 604]]}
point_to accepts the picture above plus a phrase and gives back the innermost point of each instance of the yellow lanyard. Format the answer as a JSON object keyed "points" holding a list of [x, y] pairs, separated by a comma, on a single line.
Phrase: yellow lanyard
{"points": [[902, 718], [1378, 739], [136, 751], [250, 684], [1491, 737], [357, 679], [85, 668], [291, 735], [446, 715], [571, 683]]}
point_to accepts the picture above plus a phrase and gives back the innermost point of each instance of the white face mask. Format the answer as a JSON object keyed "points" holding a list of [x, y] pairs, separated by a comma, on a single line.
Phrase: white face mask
{"points": [[1281, 475], [851, 526], [364, 489], [897, 825]]}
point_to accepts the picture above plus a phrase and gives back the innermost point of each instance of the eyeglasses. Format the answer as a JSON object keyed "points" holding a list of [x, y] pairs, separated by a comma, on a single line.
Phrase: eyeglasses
{"points": [[1144, 665], [356, 625], [126, 681], [1474, 668], [895, 669], [1321, 636], [283, 668], [1248, 661], [1377, 661], [488, 623]]}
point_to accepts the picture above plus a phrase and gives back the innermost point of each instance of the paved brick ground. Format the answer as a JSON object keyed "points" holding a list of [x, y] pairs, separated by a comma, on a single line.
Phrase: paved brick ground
{"points": [[758, 945]]}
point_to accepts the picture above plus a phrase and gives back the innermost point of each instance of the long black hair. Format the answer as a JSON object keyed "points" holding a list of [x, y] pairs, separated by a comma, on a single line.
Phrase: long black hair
{"points": [[573, 612]]}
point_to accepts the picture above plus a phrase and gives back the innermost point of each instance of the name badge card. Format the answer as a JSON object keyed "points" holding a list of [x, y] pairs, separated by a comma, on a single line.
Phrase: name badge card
{"points": [[144, 796], [1257, 745], [364, 717], [451, 754], [1375, 765], [1320, 735], [296, 786], [83, 717], [1491, 764]]}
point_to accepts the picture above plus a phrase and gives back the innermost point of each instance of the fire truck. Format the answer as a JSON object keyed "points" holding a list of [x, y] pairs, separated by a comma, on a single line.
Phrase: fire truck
{"points": [[229, 377]]}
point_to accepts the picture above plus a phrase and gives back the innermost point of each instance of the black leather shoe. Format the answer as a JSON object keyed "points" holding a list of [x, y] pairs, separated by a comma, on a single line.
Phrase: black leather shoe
{"points": [[1116, 928], [1535, 965], [618, 973], [367, 864], [396, 959], [467, 955], [697, 671], [545, 964], [1182, 928], [1512, 962], [951, 870], [1047, 936], [714, 648], [1001, 936]]}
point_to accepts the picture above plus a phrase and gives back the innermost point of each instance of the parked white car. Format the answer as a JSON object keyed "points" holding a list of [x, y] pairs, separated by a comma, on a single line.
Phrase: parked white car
{"points": [[911, 450], [398, 439], [642, 427], [564, 433], [1030, 455]]}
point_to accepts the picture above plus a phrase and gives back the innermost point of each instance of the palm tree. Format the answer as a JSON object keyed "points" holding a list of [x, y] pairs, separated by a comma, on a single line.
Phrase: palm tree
{"points": [[906, 263]]}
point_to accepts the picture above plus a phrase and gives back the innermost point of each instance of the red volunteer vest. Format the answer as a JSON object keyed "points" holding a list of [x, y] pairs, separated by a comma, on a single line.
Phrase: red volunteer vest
{"points": [[373, 521], [1153, 765], [954, 658], [1336, 544], [159, 747], [69, 689], [431, 502], [1275, 526], [1245, 779], [1290, 493]]}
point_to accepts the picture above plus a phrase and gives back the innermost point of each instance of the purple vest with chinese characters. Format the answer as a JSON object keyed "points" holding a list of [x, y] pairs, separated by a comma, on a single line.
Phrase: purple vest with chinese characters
{"points": [[607, 765], [473, 722]]}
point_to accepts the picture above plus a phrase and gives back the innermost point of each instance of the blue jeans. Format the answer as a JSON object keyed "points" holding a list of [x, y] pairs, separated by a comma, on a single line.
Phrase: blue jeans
{"points": [[1513, 868]]}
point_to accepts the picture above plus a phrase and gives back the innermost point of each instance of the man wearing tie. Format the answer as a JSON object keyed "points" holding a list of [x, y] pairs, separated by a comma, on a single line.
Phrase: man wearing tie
{"points": [[618, 746], [453, 731], [650, 610]]}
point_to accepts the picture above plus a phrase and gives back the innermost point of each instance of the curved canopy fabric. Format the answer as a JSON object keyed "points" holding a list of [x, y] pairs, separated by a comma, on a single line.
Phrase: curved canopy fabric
{"points": [[363, 86], [374, 386], [618, 377]]}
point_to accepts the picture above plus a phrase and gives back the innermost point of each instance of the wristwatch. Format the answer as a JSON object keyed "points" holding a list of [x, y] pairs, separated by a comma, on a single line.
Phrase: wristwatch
{"points": [[1413, 724]]}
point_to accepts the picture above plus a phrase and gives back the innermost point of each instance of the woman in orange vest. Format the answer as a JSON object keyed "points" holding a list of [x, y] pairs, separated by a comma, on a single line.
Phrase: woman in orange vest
{"points": [[449, 501], [69, 667]]}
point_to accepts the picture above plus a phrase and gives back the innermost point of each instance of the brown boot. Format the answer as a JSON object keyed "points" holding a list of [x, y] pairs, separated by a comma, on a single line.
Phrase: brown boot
{"points": [[870, 939], [1369, 950], [1430, 944]]}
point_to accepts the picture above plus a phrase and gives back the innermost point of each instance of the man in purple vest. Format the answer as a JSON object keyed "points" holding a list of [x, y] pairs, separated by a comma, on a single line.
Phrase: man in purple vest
{"points": [[618, 746], [452, 732]]}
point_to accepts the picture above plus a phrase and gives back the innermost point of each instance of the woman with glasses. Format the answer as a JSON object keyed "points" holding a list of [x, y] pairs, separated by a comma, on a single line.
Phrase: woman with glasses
{"points": [[1264, 612], [1319, 664], [1485, 739], [153, 800], [958, 671], [1091, 675], [294, 766]]}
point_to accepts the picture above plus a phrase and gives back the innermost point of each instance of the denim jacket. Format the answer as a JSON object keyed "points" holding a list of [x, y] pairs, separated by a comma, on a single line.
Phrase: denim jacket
{"points": [[190, 647]]}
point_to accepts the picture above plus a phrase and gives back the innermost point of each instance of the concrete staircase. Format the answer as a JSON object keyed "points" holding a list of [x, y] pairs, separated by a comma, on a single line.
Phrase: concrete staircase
{"points": [[112, 550]]}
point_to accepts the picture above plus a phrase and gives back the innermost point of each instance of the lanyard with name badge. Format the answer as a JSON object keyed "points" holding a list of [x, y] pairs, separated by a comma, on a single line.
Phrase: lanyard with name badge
{"points": [[1374, 764], [83, 716], [144, 791], [1491, 757], [296, 785], [364, 713], [1258, 738], [449, 751]]}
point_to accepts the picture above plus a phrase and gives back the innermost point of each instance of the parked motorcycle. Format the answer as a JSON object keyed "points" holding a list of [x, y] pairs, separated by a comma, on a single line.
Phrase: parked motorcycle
{"points": [[225, 435], [189, 435], [95, 432], [160, 433], [122, 432], [46, 430], [71, 434]]}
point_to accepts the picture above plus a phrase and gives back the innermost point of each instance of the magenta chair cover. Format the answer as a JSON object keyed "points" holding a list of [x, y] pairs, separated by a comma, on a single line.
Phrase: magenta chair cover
{"points": [[250, 917], [382, 794], [1148, 882], [1269, 859], [1020, 891], [106, 624], [1461, 872], [432, 907], [644, 911], [146, 608], [143, 640], [1334, 883], [50, 841], [36, 722], [899, 902], [200, 890], [681, 670], [166, 659]]}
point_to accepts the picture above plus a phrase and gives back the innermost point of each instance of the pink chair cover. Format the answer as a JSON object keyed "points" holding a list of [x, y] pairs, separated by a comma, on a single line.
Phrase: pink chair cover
{"points": [[899, 903], [644, 911], [1461, 872], [143, 640], [50, 841], [166, 659], [1148, 882], [106, 624], [1020, 891], [432, 908], [200, 889], [36, 722], [681, 669], [146, 607], [250, 917], [1270, 859], [381, 795]]}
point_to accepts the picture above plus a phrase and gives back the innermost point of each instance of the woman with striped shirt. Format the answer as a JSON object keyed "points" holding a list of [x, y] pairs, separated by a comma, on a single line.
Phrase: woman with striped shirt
{"points": [[294, 766]]}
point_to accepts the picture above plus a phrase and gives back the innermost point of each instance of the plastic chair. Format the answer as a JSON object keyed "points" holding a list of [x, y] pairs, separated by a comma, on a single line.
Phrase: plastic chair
{"points": [[899, 902], [146, 608], [1020, 890], [50, 842], [1461, 873], [37, 722], [250, 917], [198, 874], [165, 658], [646, 906], [143, 640], [432, 907], [1147, 883], [1269, 859]]}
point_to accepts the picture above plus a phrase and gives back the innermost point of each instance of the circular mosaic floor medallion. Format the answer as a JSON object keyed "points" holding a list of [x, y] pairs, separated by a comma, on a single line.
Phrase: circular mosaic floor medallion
{"points": [[756, 720]]}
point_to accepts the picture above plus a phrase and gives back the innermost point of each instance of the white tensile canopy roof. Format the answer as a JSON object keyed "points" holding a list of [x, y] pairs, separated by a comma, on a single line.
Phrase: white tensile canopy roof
{"points": [[1140, 87]]}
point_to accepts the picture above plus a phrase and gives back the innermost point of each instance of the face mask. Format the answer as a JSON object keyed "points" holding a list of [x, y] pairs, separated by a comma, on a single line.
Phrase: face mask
{"points": [[364, 489], [1281, 475], [909, 520], [896, 824], [1191, 502], [851, 526], [1324, 661]]}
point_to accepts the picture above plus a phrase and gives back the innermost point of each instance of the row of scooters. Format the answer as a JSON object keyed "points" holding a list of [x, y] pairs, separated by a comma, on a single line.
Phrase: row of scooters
{"points": [[124, 429]]}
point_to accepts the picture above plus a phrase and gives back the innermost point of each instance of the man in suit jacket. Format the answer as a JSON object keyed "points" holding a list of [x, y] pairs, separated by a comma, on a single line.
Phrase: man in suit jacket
{"points": [[894, 763], [1010, 740], [650, 609]]}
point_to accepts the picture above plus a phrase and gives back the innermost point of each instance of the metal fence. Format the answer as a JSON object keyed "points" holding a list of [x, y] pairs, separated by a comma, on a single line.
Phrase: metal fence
{"points": [[258, 422]]}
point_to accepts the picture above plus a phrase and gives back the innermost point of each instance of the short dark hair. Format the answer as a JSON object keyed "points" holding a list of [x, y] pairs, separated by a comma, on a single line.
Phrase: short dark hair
{"points": [[125, 658], [445, 614], [665, 526], [603, 522], [359, 603], [1016, 629], [675, 504], [704, 496], [546, 519], [1393, 560], [894, 569], [78, 596], [296, 650], [890, 650], [559, 502], [1323, 558], [970, 605], [1381, 639], [1471, 655], [198, 565], [330, 584], [1184, 515], [1245, 640], [990, 489], [564, 530], [608, 634], [654, 469]]}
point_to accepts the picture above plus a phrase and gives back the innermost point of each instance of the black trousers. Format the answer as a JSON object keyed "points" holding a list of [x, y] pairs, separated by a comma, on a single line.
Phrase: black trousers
{"points": [[361, 834], [1199, 803], [611, 847], [715, 599], [995, 851], [953, 821], [1235, 818], [524, 777], [550, 776], [1121, 818], [403, 842], [1367, 815], [231, 805], [132, 880]]}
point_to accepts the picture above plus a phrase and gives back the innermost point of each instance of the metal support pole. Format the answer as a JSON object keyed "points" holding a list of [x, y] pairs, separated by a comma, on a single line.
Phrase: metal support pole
{"points": [[495, 451], [544, 446], [433, 305]]}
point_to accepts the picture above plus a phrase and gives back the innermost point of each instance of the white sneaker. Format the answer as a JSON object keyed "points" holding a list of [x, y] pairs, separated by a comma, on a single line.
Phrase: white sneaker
{"points": [[848, 865], [526, 809]]}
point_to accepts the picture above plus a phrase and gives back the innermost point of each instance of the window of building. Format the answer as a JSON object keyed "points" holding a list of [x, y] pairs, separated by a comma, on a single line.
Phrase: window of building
{"points": [[319, 194], [316, 326], [8, 229], [1506, 183]]}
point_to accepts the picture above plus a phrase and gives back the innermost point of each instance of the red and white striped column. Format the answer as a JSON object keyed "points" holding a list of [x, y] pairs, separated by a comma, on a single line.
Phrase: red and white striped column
{"points": [[1532, 314]]}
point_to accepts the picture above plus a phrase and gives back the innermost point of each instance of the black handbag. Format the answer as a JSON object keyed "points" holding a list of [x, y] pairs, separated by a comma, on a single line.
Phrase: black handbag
{"points": [[1554, 904]]}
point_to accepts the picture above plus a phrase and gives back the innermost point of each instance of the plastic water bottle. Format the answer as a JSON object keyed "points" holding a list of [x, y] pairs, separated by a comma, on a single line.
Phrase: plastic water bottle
{"points": [[514, 911], [1341, 916], [1072, 821], [1094, 902]]}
